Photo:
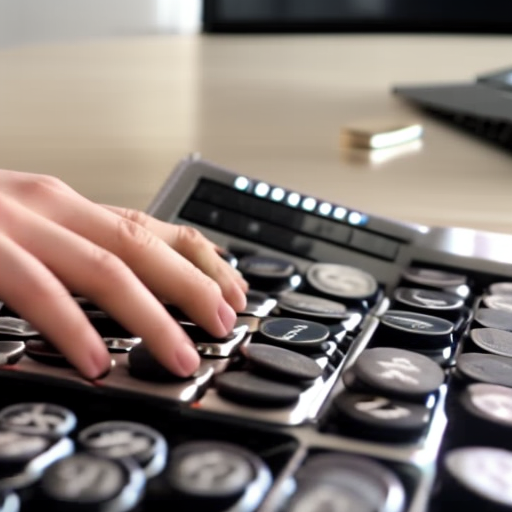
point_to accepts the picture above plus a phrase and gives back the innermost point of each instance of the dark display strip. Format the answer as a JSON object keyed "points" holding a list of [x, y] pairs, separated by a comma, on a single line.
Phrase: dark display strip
{"points": [[294, 219], [277, 237]]}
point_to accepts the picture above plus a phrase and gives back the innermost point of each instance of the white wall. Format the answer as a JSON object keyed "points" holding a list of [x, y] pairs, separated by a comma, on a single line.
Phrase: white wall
{"points": [[36, 21]]}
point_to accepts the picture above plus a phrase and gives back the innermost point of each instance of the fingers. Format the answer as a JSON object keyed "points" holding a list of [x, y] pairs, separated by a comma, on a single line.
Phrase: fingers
{"points": [[191, 244], [29, 288], [91, 271], [168, 274]]}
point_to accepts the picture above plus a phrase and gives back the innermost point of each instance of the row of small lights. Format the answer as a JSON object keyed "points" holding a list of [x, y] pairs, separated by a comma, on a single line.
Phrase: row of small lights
{"points": [[295, 200]]}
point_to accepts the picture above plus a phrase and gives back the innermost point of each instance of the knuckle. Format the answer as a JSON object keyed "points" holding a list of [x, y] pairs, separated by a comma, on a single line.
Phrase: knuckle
{"points": [[42, 186], [107, 267], [133, 236], [135, 216], [187, 236]]}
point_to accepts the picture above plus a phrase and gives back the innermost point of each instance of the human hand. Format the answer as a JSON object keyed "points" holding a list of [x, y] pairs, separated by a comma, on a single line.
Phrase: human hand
{"points": [[54, 242]]}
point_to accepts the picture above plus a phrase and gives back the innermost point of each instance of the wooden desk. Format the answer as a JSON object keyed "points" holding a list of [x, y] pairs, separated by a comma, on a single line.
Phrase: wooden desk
{"points": [[113, 117]]}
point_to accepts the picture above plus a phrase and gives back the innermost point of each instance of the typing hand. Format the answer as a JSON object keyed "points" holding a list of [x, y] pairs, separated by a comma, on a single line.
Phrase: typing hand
{"points": [[53, 241]]}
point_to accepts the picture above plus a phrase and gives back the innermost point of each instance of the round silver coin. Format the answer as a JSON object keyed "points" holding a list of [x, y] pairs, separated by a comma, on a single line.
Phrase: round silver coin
{"points": [[341, 281]]}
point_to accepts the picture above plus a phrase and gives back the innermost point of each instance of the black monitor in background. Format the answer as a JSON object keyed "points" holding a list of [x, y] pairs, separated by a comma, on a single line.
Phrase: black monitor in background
{"points": [[314, 16]]}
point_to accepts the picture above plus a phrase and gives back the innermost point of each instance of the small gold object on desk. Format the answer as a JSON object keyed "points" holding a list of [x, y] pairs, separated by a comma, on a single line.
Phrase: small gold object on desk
{"points": [[379, 135]]}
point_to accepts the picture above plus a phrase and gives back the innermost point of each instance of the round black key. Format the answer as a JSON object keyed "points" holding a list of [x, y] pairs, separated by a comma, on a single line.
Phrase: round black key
{"points": [[485, 412], [143, 365], [340, 482], [311, 307], [45, 353], [13, 326], [394, 372], [254, 390], [408, 329], [342, 281], [502, 302], [121, 345], [267, 273], [293, 332], [495, 318], [9, 501], [38, 418], [487, 368], [476, 478], [123, 439], [492, 340], [380, 418], [87, 482], [11, 352], [18, 449], [434, 278], [214, 472], [281, 362], [504, 288], [430, 302]]}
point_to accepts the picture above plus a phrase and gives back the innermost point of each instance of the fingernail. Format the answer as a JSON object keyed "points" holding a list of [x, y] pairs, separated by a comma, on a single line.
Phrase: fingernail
{"points": [[227, 316], [100, 366], [239, 298], [188, 360]]}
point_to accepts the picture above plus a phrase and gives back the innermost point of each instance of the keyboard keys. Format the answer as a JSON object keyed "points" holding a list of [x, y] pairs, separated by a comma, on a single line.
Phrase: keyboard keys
{"points": [[85, 482], [487, 368], [37, 418], [394, 372], [434, 278], [143, 365], [501, 288], [342, 282], [502, 302], [267, 273], [379, 418], [345, 482], [475, 478], [309, 306], [13, 326], [124, 439], [495, 341], [282, 363], [411, 330], [484, 415], [254, 390], [11, 352], [293, 333], [212, 475], [494, 318], [430, 302]]}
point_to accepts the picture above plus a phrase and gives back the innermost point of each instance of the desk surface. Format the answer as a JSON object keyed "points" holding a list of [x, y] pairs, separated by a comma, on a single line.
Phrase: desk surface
{"points": [[113, 117]]}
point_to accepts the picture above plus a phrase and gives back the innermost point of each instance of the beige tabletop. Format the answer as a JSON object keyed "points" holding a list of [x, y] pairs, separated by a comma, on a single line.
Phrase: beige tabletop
{"points": [[113, 117]]}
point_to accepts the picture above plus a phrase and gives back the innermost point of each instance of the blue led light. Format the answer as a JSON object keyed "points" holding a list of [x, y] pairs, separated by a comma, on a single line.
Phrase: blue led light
{"points": [[277, 194], [325, 208], [309, 204], [293, 199], [357, 219], [339, 213], [242, 183], [261, 189]]}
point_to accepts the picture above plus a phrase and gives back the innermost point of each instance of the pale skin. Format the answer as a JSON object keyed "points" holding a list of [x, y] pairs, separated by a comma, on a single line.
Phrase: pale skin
{"points": [[55, 242]]}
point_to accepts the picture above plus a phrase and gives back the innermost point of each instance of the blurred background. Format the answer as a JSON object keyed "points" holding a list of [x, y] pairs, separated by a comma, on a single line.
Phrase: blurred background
{"points": [[110, 94]]}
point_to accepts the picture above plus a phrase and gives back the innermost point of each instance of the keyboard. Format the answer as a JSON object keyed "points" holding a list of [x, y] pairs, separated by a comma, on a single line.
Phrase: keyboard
{"points": [[370, 371]]}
